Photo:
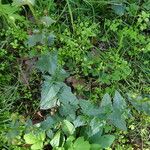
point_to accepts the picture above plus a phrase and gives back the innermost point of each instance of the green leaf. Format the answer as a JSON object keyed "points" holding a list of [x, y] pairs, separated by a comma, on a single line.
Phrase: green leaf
{"points": [[106, 101], [47, 21], [88, 108], [33, 39], [41, 136], [23, 2], [81, 144], [38, 146], [56, 140], [35, 140], [68, 111], [140, 103], [117, 119], [69, 143], [119, 102], [119, 9], [104, 141], [96, 126], [68, 127], [48, 63], [66, 96], [48, 95], [95, 147], [48, 123], [78, 122], [30, 138]]}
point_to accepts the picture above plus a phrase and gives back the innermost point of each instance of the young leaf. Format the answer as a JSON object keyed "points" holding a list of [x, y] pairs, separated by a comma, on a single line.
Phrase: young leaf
{"points": [[30, 138], [35, 140], [37, 146]]}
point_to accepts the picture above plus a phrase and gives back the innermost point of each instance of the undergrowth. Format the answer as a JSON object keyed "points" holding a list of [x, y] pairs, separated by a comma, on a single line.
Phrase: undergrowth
{"points": [[74, 74]]}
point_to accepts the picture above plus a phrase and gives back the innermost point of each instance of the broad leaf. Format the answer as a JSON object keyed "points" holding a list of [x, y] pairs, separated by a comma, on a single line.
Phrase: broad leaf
{"points": [[95, 147], [30, 138], [56, 140], [106, 101], [104, 141], [119, 102], [48, 95], [34, 39], [79, 121], [48, 63], [48, 123], [81, 144], [96, 126], [118, 120], [119, 9], [47, 21], [37, 146], [66, 96], [68, 111], [23, 2], [88, 108], [35, 140], [141, 103], [68, 127]]}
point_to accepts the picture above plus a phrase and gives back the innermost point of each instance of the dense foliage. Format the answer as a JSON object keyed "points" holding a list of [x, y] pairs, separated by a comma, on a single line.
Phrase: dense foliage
{"points": [[74, 74]]}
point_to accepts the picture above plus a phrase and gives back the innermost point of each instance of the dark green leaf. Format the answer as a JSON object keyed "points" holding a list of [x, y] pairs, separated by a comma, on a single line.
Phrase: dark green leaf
{"points": [[119, 102], [49, 95], [119, 9], [66, 96], [48, 63], [104, 141], [106, 101], [141, 103], [88, 108], [118, 120]]}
